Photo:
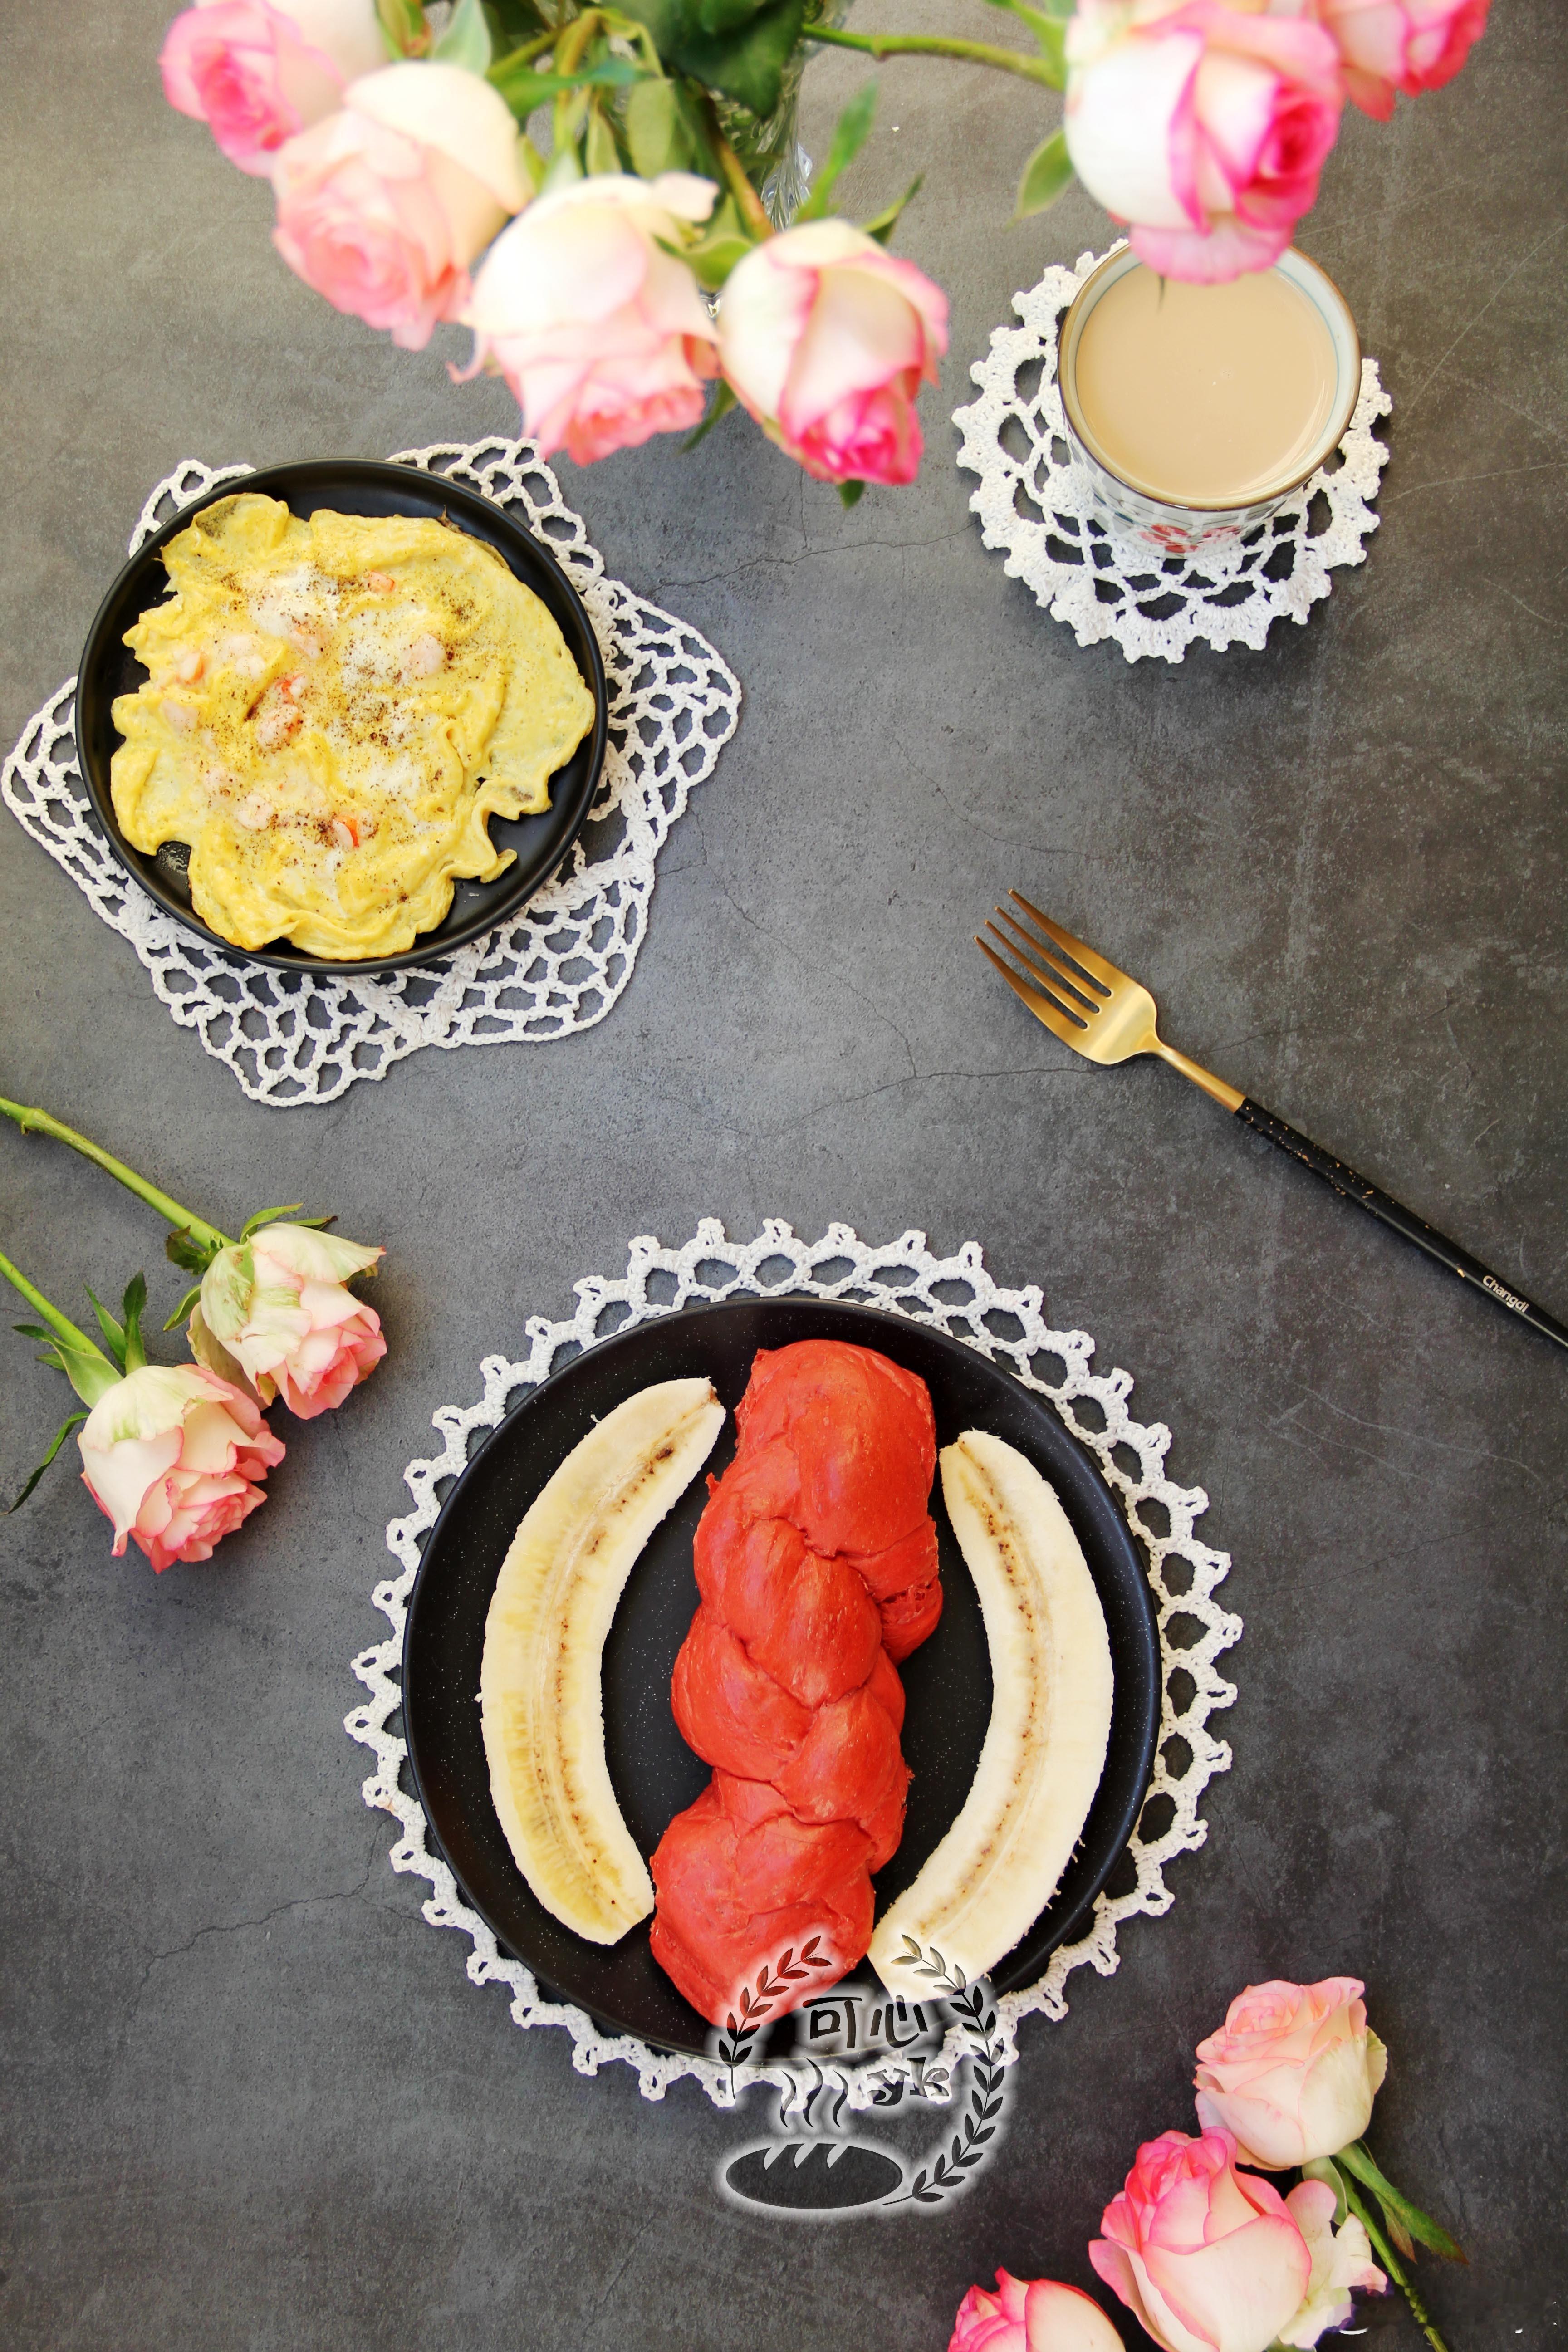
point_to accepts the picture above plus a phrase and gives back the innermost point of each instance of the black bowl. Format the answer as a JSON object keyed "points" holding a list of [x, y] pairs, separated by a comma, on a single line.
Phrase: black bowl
{"points": [[361, 487], [655, 1774]]}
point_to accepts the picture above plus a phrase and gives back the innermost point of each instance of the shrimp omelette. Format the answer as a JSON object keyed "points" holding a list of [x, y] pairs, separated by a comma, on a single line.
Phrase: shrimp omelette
{"points": [[336, 708]]}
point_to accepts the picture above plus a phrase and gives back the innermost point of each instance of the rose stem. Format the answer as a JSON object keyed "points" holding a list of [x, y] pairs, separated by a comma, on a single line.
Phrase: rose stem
{"points": [[526, 53], [1389, 2259], [752, 211], [934, 45], [61, 1325], [206, 1236]]}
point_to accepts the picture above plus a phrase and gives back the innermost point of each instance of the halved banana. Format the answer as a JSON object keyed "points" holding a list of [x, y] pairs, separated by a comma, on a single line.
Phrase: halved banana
{"points": [[998, 1865], [542, 1704]]}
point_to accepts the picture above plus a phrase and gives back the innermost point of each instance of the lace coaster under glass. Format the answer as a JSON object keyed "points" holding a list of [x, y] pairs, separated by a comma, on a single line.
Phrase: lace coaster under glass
{"points": [[1036, 502]]}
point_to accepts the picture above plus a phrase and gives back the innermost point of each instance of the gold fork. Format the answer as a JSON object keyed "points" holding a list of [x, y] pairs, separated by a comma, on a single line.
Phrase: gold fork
{"points": [[1107, 1017]]}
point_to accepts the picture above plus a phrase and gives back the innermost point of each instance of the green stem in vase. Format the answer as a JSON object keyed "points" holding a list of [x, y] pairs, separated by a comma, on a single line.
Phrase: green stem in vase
{"points": [[748, 202], [936, 45], [207, 1238], [1390, 2263]]}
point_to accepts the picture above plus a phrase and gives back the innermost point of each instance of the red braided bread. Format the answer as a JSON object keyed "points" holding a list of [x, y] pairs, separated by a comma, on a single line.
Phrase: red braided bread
{"points": [[817, 1562]]}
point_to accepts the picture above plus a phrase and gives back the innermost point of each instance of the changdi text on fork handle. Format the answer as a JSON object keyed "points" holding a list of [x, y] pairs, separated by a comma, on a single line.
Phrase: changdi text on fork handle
{"points": [[1357, 1188]]}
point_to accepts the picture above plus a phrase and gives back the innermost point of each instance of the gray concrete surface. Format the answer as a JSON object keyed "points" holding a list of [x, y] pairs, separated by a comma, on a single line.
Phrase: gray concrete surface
{"points": [[249, 2098]]}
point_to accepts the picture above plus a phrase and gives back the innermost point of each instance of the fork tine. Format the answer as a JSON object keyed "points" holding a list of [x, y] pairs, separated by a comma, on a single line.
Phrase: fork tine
{"points": [[1052, 988], [1054, 968], [1044, 1008], [1095, 965]]}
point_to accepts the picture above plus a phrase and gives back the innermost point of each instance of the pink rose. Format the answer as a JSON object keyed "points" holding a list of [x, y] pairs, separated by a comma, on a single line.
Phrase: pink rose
{"points": [[383, 206], [176, 1457], [1292, 2072], [827, 339], [602, 335], [1393, 45], [1031, 2315], [1206, 2258], [275, 1313], [256, 74], [1204, 126]]}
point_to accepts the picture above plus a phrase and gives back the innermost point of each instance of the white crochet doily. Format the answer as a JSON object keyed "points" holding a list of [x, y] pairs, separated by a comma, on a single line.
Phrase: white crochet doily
{"points": [[1036, 502], [955, 1295], [557, 967]]}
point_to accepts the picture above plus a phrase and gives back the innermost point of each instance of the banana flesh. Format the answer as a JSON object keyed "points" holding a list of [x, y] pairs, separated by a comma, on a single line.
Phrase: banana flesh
{"points": [[1044, 1747], [541, 1703]]}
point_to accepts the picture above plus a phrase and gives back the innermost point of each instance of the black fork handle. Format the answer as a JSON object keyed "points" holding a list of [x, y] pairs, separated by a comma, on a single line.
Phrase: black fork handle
{"points": [[1391, 1213]]}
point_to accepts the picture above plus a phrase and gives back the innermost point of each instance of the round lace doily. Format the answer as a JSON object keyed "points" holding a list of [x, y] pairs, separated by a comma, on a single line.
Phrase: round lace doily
{"points": [[557, 967], [1035, 502], [953, 1294]]}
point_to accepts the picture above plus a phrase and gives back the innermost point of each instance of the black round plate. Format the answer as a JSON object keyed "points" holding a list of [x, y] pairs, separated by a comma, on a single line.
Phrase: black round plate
{"points": [[354, 486], [655, 1774]]}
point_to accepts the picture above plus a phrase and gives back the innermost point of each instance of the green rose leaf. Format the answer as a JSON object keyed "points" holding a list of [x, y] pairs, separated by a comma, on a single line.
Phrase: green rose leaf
{"points": [[254, 1224], [717, 18], [746, 64], [723, 401], [655, 131], [850, 135], [183, 1308], [670, 23], [1405, 2220], [73, 1420], [851, 493], [113, 1332], [467, 39], [602, 154], [1047, 172], [886, 222], [515, 21], [181, 1250], [711, 262], [136, 1300], [523, 90]]}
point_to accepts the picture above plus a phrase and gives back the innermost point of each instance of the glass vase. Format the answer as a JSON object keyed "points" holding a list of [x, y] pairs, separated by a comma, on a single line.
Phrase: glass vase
{"points": [[768, 146]]}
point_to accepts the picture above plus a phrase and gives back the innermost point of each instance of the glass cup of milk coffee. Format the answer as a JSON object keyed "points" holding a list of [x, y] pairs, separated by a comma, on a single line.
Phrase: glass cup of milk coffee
{"points": [[1196, 411]]}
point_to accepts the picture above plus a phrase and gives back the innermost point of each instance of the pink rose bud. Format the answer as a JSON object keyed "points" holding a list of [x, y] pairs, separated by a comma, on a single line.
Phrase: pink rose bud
{"points": [[175, 1456], [274, 1312], [827, 339], [383, 206], [256, 74], [602, 335], [1203, 126], [1342, 2261], [1031, 2315], [1292, 2072], [1393, 45], [1207, 2259]]}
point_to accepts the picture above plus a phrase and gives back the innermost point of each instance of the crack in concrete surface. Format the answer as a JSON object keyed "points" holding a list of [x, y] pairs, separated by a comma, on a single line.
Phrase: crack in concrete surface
{"points": [[1391, 1429], [241, 1926], [1469, 328], [808, 555]]}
